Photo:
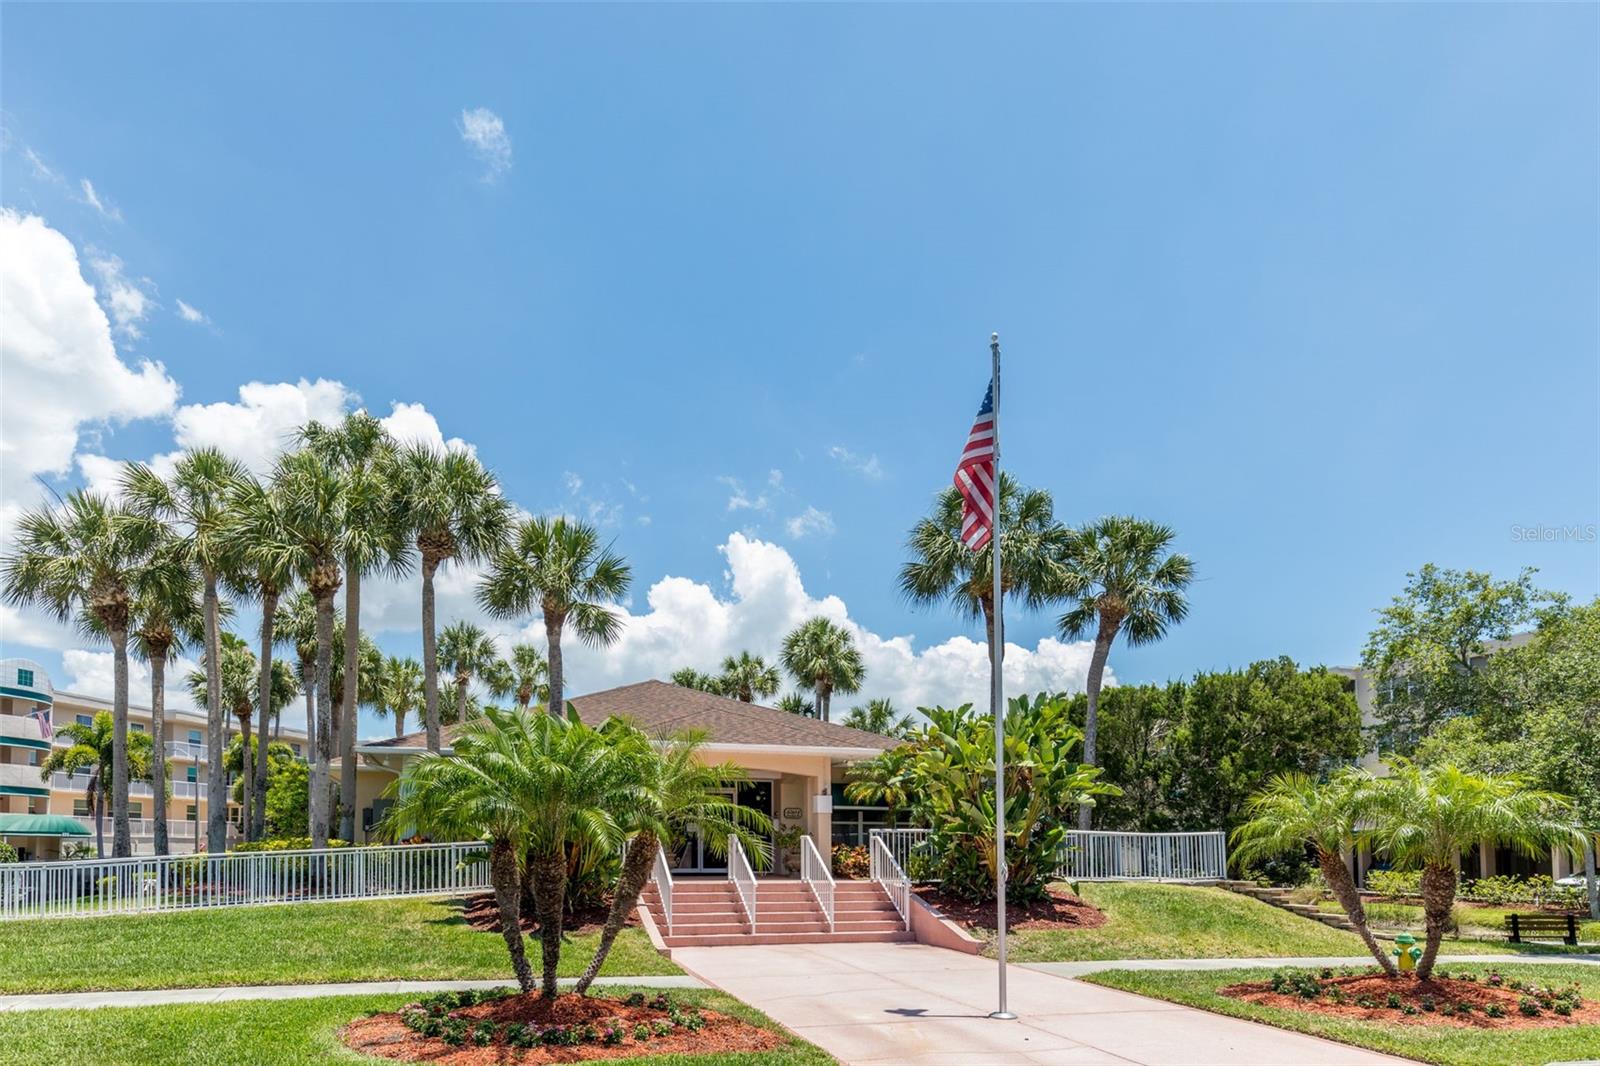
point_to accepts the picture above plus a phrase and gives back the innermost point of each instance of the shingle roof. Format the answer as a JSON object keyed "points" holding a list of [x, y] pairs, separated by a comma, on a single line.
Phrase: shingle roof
{"points": [[660, 709]]}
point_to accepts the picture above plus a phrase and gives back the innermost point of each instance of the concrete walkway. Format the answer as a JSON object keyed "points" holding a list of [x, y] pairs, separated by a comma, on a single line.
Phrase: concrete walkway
{"points": [[910, 1003], [157, 996], [1078, 969]]}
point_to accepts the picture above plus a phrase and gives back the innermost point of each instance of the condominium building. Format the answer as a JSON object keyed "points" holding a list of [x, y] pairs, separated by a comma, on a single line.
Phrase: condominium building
{"points": [[43, 816]]}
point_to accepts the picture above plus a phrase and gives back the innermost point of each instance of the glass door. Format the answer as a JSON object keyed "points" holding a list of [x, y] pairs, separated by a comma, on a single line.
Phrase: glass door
{"points": [[693, 854]]}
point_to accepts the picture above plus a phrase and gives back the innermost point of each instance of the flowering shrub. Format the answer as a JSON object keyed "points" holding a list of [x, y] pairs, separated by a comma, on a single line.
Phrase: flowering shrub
{"points": [[851, 862]]}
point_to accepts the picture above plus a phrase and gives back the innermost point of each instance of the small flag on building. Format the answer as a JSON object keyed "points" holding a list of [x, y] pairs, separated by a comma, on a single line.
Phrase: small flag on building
{"points": [[42, 715], [976, 480]]}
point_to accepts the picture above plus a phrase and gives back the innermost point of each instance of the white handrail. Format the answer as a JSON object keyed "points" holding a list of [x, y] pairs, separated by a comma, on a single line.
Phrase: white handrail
{"points": [[1100, 855], [814, 872], [888, 873], [743, 878], [661, 874]]}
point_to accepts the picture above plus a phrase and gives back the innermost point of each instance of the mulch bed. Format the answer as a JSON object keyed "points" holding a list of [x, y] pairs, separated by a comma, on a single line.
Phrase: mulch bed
{"points": [[1437, 1002], [1060, 909], [387, 1036], [481, 914]]}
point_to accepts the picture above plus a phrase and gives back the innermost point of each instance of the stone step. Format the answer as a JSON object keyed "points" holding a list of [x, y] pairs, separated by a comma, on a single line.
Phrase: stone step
{"points": [[897, 936]]}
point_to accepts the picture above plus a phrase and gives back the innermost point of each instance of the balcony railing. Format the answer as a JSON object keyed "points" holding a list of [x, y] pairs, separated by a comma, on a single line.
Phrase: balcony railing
{"points": [[20, 775], [79, 781], [21, 726], [177, 749]]}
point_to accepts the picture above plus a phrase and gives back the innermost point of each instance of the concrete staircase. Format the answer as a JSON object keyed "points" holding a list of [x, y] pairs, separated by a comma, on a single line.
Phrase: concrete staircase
{"points": [[707, 913], [1279, 897]]}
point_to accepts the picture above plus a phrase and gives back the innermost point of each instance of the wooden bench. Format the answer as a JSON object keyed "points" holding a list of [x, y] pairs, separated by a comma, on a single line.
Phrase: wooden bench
{"points": [[1542, 927]]}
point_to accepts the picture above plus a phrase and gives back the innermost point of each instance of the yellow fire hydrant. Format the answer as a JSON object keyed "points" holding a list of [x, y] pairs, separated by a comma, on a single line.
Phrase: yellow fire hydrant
{"points": [[1406, 952]]}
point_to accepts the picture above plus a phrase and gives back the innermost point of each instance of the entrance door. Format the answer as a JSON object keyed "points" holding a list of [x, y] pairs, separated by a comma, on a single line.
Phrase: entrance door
{"points": [[693, 854]]}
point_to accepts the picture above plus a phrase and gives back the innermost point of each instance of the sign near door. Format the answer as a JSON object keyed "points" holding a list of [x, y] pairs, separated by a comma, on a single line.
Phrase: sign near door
{"points": [[791, 813]]}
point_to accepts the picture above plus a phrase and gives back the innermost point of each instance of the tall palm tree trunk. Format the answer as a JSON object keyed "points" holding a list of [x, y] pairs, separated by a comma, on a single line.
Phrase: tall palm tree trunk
{"points": [[256, 790], [1091, 721], [247, 775], [505, 879], [635, 872], [1589, 877], [1438, 897], [553, 622], [461, 698], [121, 831], [308, 682], [347, 722], [97, 804], [158, 747], [430, 656], [1336, 875], [399, 723], [549, 876], [216, 725], [318, 806]]}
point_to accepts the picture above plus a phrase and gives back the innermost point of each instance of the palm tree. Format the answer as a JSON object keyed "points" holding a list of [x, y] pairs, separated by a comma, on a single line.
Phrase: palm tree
{"points": [[1120, 578], [689, 677], [668, 789], [262, 560], [943, 569], [94, 748], [1428, 817], [240, 691], [399, 691], [466, 651], [233, 760], [524, 676], [880, 716], [1295, 811], [313, 510], [85, 557], [886, 779], [370, 537], [166, 619], [822, 657], [796, 703], [295, 622], [558, 568], [748, 678], [195, 501]]}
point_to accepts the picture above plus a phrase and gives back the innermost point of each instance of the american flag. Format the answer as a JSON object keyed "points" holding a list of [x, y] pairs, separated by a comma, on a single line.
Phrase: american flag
{"points": [[975, 478], [42, 715]]}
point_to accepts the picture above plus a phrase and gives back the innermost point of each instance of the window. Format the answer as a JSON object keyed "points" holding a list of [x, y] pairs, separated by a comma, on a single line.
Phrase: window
{"points": [[88, 719], [193, 774], [138, 727], [296, 747], [80, 807], [192, 814], [233, 812], [194, 734], [25, 678], [136, 810]]}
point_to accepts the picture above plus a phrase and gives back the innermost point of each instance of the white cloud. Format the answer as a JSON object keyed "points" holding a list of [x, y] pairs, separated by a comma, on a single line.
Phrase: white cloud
{"points": [[572, 481], [865, 465], [741, 500], [62, 371], [263, 423], [41, 169], [191, 314], [126, 300], [93, 199], [90, 673], [810, 523], [485, 133], [413, 423]]}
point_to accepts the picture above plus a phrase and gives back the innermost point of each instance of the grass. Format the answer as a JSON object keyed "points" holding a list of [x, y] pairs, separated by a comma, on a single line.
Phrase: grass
{"points": [[269, 1033], [1445, 1046], [1487, 921], [312, 943]]}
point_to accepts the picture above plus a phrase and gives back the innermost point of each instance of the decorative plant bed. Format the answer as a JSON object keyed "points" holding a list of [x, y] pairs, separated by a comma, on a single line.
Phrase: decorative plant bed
{"points": [[479, 1028], [1465, 1001], [483, 914], [1059, 909]]}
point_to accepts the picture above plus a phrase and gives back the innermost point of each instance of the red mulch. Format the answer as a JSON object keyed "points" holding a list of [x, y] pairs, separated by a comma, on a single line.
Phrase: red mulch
{"points": [[385, 1035], [482, 914], [1446, 991], [1058, 910]]}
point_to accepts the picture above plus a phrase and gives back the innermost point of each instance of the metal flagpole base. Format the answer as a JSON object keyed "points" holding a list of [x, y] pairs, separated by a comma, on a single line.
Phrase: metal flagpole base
{"points": [[1003, 1015]]}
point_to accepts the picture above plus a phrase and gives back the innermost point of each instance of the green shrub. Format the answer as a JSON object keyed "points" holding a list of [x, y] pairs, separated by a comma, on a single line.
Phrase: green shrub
{"points": [[1528, 1007], [1395, 882], [285, 844], [1394, 1000], [1495, 1010], [852, 862], [7, 852]]}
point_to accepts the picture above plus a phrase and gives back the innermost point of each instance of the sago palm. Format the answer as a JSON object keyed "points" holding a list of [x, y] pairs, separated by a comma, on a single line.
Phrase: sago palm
{"points": [[194, 501], [1121, 579], [558, 568], [91, 749], [1428, 817], [748, 678], [84, 557], [880, 716], [399, 691], [821, 656], [1296, 811], [467, 652], [665, 789], [451, 506]]}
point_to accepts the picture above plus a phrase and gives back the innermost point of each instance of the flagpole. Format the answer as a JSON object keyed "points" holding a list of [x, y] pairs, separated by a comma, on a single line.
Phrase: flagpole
{"points": [[997, 703]]}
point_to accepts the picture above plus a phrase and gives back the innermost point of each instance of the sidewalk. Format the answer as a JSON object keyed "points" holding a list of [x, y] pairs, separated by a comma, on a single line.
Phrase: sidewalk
{"points": [[1078, 969], [157, 996]]}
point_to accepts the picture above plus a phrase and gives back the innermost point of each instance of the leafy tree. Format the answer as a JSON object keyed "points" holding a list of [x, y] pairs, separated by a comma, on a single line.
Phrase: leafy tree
{"points": [[1138, 749], [194, 501], [559, 568], [1293, 811], [1424, 656], [234, 759], [453, 508], [85, 557], [288, 793], [1121, 579], [880, 716], [821, 656], [466, 651], [93, 748], [1428, 817], [747, 677], [399, 691]]}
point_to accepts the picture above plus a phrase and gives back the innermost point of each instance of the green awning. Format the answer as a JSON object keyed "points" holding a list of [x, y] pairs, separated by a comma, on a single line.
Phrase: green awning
{"points": [[41, 825]]}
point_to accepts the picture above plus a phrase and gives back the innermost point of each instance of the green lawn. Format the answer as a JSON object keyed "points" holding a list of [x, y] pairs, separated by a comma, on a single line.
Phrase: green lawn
{"points": [[374, 940], [1486, 922], [1446, 1046], [1157, 921], [284, 1032]]}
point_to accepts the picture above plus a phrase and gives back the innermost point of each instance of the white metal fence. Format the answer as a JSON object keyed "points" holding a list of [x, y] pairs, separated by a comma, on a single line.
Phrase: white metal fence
{"points": [[815, 873], [889, 873], [190, 882], [661, 874], [910, 849], [743, 878], [1111, 856]]}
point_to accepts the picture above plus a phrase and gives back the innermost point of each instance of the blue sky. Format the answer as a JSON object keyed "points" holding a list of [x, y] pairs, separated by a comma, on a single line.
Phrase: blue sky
{"points": [[1316, 285]]}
